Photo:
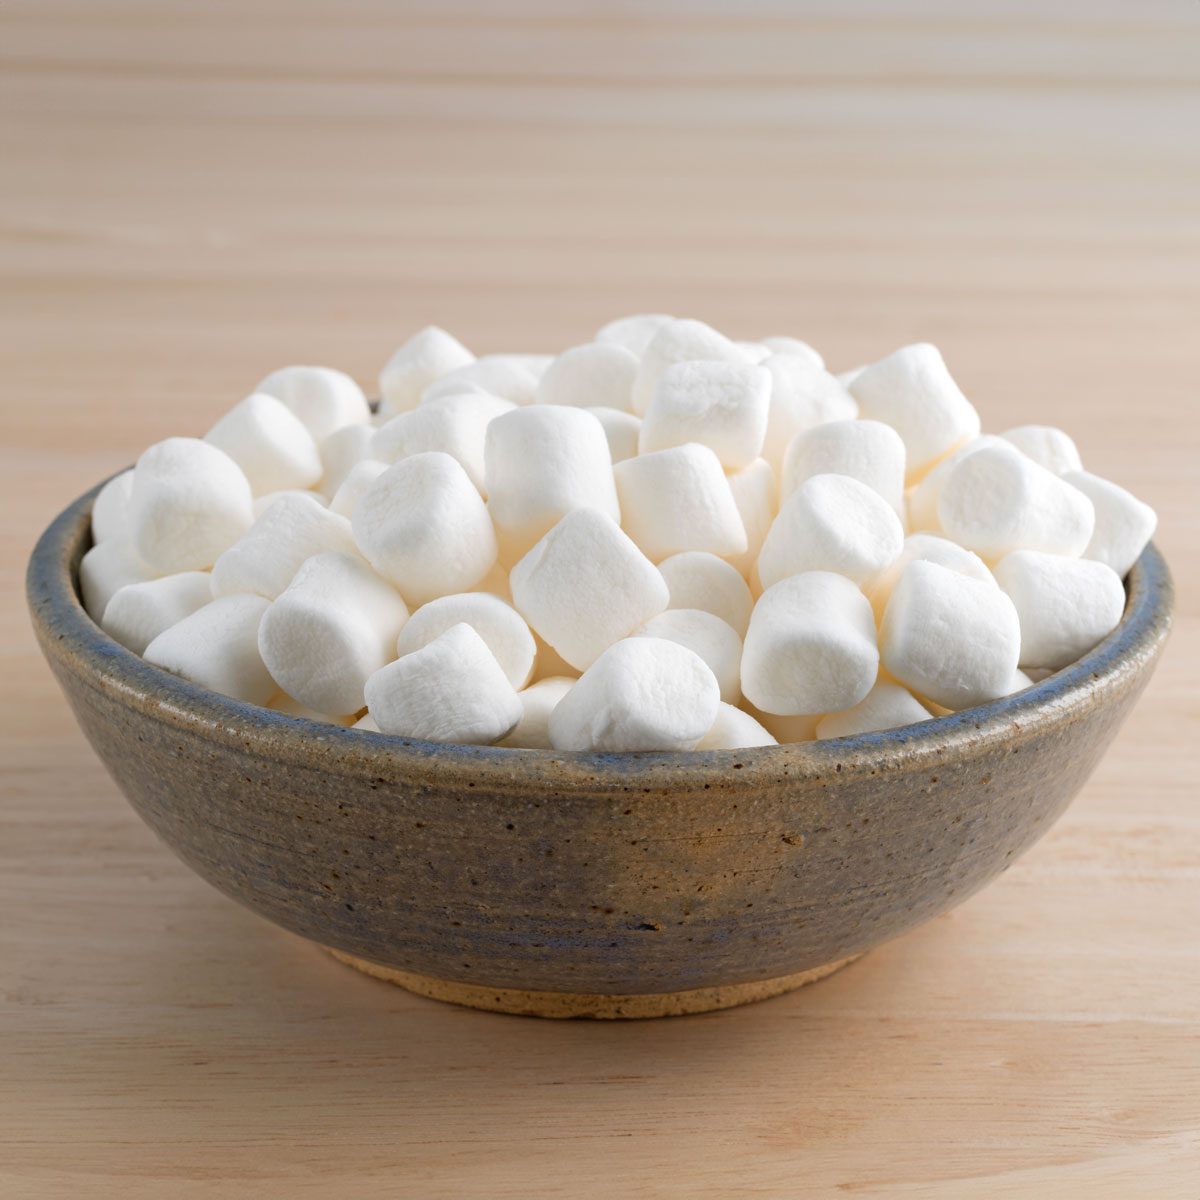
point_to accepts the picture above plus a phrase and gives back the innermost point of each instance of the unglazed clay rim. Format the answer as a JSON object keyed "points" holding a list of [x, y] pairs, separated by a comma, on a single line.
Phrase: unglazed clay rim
{"points": [[69, 633]]}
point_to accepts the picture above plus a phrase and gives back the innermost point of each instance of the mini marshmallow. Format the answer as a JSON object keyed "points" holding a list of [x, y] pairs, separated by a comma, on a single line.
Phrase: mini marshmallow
{"points": [[329, 631], [675, 342], [452, 690], [734, 730], [912, 391], [1065, 605], [831, 523], [846, 378], [269, 442], [923, 547], [322, 398], [291, 707], [787, 731], [190, 502], [423, 525], [794, 346], [754, 352], [997, 500], [502, 628], [697, 579], [263, 562], [585, 585], [599, 374], [803, 396], [368, 723], [634, 333], [351, 489], [110, 509], [541, 463], [753, 489], [538, 701], [885, 706], [424, 358], [1048, 447], [139, 612], [107, 568], [1124, 525], [340, 453], [503, 375], [217, 647], [810, 647], [679, 499], [263, 502], [642, 693], [950, 638], [865, 450], [714, 640], [923, 499], [722, 405], [622, 430]]}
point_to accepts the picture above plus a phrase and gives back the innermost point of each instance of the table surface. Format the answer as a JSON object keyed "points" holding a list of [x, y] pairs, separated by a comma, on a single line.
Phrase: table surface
{"points": [[195, 193]]}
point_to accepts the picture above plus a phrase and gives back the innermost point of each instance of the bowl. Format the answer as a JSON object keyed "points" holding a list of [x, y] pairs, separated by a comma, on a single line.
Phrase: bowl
{"points": [[600, 885]]}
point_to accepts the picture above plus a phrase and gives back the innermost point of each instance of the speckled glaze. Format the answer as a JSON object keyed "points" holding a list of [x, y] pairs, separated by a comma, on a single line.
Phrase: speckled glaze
{"points": [[588, 884]]}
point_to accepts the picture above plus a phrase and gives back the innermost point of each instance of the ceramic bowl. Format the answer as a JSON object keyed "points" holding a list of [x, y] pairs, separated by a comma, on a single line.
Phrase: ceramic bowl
{"points": [[605, 885]]}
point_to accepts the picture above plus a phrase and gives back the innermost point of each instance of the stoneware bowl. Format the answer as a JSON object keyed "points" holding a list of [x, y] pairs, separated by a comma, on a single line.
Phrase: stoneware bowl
{"points": [[599, 885]]}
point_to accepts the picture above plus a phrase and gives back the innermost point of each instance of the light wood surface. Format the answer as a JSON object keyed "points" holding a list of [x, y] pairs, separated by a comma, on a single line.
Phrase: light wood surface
{"points": [[194, 193]]}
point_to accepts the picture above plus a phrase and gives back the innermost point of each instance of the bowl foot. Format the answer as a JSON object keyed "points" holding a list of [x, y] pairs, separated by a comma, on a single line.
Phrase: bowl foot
{"points": [[586, 1005]]}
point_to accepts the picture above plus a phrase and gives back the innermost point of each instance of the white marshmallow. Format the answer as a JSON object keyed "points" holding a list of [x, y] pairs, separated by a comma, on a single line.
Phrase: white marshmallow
{"points": [[536, 364], [139, 612], [1020, 681], [1065, 605], [794, 346], [997, 500], [110, 509], [831, 523], [679, 341], [341, 452], [634, 333], [950, 638], [803, 395], [753, 489], [360, 477], [734, 730], [190, 502], [452, 690], [596, 375], [912, 391], [679, 499], [217, 647], [885, 706], [1048, 447], [846, 378], [503, 375], [263, 502], [502, 628], [322, 398], [722, 405], [538, 701], [697, 579], [1124, 525], [263, 562], [622, 430], [541, 463], [585, 585], [641, 694], [810, 647], [714, 640], [923, 499], [424, 358], [423, 525], [923, 547], [368, 723], [291, 707], [105, 569], [754, 352], [787, 731], [867, 451], [333, 627], [269, 442]]}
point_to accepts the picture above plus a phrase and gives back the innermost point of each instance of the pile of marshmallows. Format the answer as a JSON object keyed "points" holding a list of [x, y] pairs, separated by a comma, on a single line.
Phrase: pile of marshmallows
{"points": [[659, 540]]}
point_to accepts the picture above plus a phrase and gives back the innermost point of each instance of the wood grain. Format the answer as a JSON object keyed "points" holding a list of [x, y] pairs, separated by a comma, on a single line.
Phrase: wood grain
{"points": [[194, 193]]}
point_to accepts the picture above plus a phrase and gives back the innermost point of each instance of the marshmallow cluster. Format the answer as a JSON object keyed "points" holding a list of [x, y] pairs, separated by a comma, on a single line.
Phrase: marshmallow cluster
{"points": [[658, 540]]}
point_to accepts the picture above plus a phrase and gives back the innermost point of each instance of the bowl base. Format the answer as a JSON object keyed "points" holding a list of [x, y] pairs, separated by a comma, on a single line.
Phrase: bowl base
{"points": [[584, 1005]]}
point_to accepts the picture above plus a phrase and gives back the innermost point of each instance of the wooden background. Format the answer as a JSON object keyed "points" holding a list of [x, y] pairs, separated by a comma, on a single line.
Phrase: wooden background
{"points": [[194, 193]]}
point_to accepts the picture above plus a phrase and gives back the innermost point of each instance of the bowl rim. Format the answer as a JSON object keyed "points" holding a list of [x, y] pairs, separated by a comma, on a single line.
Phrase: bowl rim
{"points": [[69, 635]]}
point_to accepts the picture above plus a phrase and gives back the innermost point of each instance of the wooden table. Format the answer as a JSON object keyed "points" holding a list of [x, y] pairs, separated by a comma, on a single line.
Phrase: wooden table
{"points": [[194, 193]]}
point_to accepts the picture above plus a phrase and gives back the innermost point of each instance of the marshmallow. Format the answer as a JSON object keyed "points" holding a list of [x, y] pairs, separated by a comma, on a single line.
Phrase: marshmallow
{"points": [[599, 374], [368, 723], [322, 398], [923, 499], [549, 663], [110, 509], [754, 352], [634, 333], [538, 701], [1124, 524], [679, 499], [502, 628], [831, 523], [541, 463], [291, 707], [1065, 605], [585, 585], [268, 441], [714, 640], [734, 730], [810, 647], [424, 358], [753, 489], [139, 612], [642, 693], [846, 378], [679, 341], [423, 525], [697, 579], [105, 569], [1048, 447], [293, 529], [190, 502], [912, 391], [217, 647], [794, 346], [950, 638], [341, 452], [264, 502], [722, 405], [1020, 681], [452, 690], [997, 500], [786, 731], [885, 706], [923, 547], [803, 395], [622, 430], [867, 451], [350, 490], [332, 628], [503, 375]]}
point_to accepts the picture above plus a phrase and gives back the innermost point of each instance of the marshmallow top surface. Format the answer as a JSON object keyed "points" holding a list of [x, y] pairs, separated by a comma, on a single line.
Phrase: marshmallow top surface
{"points": [[635, 333], [795, 347], [424, 358], [1048, 447], [675, 342], [1124, 524], [270, 443], [697, 579], [717, 643], [323, 399], [868, 451], [598, 374], [508, 376], [803, 396]]}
